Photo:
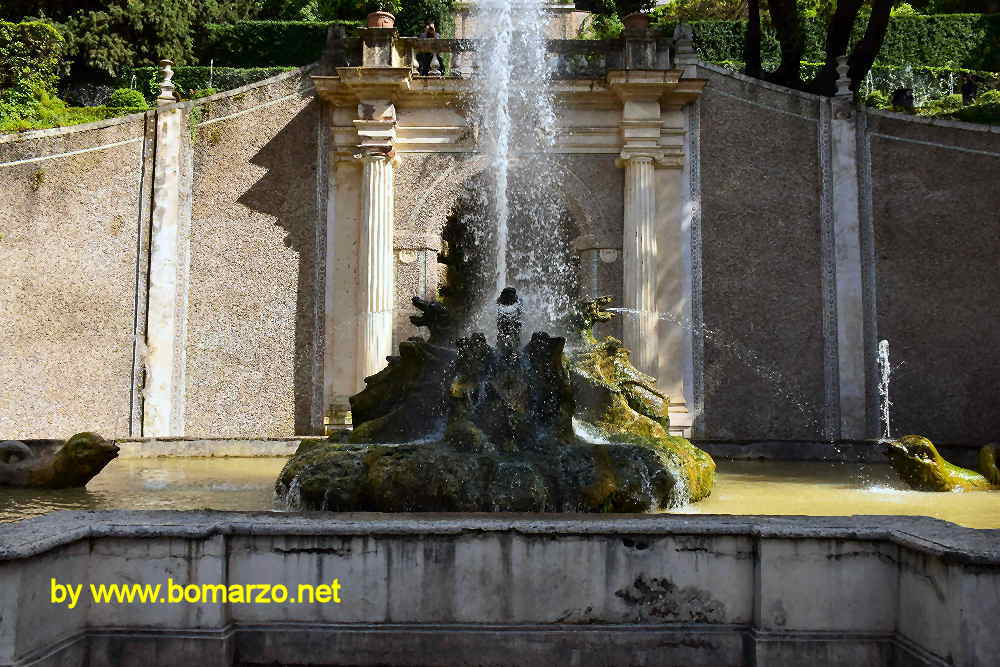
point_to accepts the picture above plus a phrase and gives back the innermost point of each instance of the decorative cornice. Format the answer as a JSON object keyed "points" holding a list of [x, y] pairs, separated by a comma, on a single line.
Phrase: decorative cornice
{"points": [[665, 86]]}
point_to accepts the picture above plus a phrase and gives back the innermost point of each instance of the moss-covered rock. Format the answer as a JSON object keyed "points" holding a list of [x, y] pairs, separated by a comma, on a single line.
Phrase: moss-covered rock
{"points": [[919, 464], [498, 430], [435, 477], [624, 405]]}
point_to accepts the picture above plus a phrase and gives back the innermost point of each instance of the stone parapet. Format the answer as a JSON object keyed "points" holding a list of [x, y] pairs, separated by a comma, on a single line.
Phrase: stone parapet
{"points": [[648, 589]]}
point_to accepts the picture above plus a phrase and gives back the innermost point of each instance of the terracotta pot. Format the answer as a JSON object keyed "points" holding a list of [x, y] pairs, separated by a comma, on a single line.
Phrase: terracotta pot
{"points": [[636, 21], [381, 20]]}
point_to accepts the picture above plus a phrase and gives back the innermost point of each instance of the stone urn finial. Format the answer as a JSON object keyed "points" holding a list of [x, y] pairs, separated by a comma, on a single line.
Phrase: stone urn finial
{"points": [[843, 80], [381, 20], [637, 21], [683, 31], [166, 83]]}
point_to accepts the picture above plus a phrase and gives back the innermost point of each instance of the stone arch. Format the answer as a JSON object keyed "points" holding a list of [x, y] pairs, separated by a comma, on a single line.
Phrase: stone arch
{"points": [[434, 191]]}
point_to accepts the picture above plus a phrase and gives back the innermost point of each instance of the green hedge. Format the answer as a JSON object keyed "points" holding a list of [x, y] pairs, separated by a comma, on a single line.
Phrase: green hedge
{"points": [[945, 40], [265, 43], [188, 79], [979, 113]]}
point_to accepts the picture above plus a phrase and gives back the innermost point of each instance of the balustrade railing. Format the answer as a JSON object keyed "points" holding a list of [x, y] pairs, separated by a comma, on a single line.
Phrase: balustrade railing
{"points": [[457, 58]]}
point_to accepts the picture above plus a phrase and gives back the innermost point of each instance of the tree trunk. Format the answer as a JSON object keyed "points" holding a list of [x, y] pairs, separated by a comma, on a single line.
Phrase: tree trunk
{"points": [[838, 39], [867, 49], [785, 19], [751, 47]]}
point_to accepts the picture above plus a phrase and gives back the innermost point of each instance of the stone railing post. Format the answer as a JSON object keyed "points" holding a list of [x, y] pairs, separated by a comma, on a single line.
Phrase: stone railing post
{"points": [[377, 130], [161, 329], [685, 56]]}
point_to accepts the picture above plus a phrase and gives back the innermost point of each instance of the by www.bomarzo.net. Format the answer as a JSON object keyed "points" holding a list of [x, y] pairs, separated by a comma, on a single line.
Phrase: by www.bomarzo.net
{"points": [[174, 593]]}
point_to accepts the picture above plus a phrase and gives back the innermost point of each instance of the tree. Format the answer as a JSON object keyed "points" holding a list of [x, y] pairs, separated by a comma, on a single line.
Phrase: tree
{"points": [[104, 37], [786, 18], [616, 8]]}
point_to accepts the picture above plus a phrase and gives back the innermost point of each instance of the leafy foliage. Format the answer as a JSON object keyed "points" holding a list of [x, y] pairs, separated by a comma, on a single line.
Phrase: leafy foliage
{"points": [[980, 113], [943, 105], [105, 36], [416, 13], [50, 111], [600, 26], [957, 40], [989, 97], [29, 68], [695, 10], [264, 43], [926, 82], [391, 6], [877, 99], [616, 8]]}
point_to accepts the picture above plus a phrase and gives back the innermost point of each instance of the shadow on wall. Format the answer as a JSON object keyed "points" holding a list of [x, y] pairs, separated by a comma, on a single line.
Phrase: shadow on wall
{"points": [[288, 192]]}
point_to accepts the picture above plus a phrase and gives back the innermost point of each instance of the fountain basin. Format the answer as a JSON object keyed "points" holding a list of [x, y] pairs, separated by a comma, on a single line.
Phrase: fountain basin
{"points": [[499, 590]]}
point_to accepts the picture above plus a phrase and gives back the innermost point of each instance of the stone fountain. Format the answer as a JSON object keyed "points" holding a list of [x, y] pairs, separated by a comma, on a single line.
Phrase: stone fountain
{"points": [[454, 424]]}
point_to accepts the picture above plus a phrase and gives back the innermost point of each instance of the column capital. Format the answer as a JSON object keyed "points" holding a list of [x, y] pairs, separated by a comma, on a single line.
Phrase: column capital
{"points": [[667, 157], [376, 155], [376, 127]]}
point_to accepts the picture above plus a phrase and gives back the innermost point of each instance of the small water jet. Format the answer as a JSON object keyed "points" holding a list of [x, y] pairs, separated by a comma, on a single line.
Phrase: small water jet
{"points": [[885, 375]]}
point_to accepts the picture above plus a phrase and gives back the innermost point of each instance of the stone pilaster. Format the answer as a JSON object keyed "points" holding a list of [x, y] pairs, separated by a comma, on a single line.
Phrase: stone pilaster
{"points": [[161, 328], [851, 375]]}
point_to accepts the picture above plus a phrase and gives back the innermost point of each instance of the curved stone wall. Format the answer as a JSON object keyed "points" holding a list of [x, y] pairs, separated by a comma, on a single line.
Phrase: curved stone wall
{"points": [[73, 206], [75, 210], [934, 217], [762, 286], [257, 244], [784, 187], [825, 229]]}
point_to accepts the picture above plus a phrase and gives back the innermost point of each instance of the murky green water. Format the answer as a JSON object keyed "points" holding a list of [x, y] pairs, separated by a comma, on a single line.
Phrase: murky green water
{"points": [[818, 489], [837, 489], [158, 484]]}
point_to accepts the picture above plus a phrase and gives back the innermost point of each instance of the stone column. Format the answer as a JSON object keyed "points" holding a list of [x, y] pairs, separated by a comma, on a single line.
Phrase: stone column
{"points": [[158, 418], [377, 270], [639, 254]]}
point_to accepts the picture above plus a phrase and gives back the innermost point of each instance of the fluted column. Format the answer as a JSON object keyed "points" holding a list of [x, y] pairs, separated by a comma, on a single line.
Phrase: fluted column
{"points": [[639, 261], [377, 273]]}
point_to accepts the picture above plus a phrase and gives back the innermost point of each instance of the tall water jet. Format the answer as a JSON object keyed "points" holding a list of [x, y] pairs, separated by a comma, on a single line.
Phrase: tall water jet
{"points": [[513, 107], [885, 372]]}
